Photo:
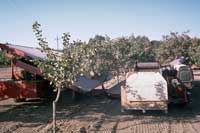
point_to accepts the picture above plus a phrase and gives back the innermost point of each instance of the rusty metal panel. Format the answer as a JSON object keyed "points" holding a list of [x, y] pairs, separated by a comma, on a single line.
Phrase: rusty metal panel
{"points": [[22, 89], [28, 67], [146, 86], [17, 89]]}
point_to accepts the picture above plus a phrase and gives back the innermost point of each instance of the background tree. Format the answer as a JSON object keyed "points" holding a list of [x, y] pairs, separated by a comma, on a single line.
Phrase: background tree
{"points": [[118, 55], [98, 39], [194, 51], [121, 52], [142, 49], [174, 46]]}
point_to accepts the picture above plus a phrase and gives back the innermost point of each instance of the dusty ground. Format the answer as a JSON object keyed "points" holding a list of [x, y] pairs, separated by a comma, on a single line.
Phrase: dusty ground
{"points": [[96, 114]]}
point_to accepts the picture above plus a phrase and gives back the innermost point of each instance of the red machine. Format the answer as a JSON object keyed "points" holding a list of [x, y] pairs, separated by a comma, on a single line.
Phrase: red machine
{"points": [[24, 79]]}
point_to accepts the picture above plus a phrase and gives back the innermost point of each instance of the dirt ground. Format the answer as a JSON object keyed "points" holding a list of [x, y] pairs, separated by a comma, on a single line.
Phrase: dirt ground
{"points": [[97, 114]]}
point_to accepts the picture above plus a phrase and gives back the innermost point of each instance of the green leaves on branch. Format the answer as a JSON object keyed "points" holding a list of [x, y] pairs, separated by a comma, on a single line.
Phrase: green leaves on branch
{"points": [[179, 45], [61, 68]]}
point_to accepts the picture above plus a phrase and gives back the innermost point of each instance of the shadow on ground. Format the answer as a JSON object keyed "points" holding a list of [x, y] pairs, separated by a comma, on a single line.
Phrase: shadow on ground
{"points": [[99, 108]]}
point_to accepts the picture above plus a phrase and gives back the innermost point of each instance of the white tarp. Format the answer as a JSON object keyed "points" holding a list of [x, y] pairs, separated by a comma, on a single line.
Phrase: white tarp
{"points": [[30, 51], [146, 86]]}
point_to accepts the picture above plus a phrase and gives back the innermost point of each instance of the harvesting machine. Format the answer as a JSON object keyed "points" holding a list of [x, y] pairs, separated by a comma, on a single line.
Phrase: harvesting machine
{"points": [[24, 80], [152, 86]]}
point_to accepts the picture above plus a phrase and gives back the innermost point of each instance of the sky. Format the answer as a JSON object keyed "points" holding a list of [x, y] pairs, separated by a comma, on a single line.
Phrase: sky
{"points": [[84, 19]]}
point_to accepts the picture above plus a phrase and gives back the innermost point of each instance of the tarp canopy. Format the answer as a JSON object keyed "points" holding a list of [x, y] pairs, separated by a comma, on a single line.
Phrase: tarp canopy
{"points": [[146, 86], [25, 51]]}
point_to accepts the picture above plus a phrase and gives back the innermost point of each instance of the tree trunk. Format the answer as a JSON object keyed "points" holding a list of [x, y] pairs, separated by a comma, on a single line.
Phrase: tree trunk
{"points": [[54, 110], [118, 76]]}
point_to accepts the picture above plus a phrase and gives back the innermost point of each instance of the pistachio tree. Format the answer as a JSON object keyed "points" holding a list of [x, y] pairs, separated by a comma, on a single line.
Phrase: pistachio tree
{"points": [[194, 51], [174, 46], [63, 68]]}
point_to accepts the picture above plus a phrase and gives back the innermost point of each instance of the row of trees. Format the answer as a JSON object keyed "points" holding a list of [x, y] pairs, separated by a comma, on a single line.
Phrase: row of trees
{"points": [[102, 55], [140, 48], [178, 45]]}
